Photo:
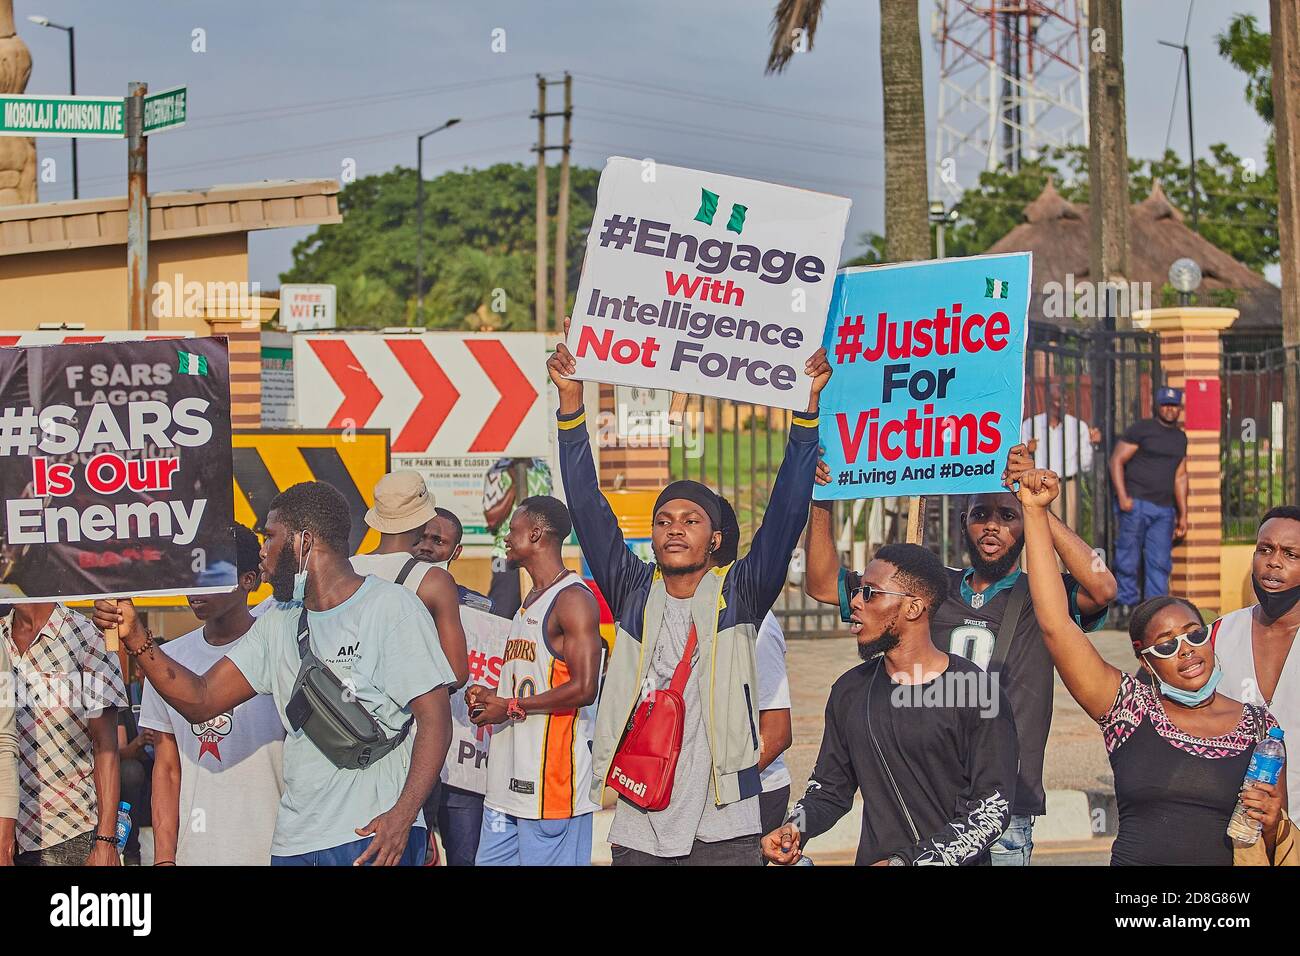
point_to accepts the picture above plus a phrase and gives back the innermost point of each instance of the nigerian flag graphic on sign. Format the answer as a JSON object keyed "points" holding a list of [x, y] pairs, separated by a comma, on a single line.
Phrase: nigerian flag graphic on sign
{"points": [[191, 364], [994, 288]]}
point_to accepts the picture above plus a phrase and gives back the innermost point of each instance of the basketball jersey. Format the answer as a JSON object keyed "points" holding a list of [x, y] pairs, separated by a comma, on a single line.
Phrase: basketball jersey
{"points": [[540, 768], [389, 567]]}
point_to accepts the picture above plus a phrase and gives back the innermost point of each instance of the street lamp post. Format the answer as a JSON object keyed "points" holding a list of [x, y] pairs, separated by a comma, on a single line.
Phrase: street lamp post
{"points": [[72, 70], [941, 217], [1191, 137], [419, 217]]}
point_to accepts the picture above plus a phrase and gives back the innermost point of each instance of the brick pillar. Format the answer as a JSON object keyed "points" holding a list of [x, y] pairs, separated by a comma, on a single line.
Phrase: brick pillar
{"points": [[1190, 353], [245, 337], [633, 469]]}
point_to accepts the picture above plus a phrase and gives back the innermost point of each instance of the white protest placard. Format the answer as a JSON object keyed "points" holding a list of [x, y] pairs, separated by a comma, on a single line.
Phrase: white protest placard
{"points": [[703, 283], [485, 645]]}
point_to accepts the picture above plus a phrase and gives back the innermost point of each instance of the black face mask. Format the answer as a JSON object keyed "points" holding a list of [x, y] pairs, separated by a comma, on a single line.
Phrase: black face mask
{"points": [[1276, 603]]}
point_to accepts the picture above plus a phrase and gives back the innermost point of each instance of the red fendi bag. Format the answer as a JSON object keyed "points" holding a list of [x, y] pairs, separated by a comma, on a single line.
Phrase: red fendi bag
{"points": [[645, 763]]}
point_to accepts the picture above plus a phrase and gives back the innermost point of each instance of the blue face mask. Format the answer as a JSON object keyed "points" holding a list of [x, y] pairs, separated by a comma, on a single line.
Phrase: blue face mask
{"points": [[1191, 698], [300, 579]]}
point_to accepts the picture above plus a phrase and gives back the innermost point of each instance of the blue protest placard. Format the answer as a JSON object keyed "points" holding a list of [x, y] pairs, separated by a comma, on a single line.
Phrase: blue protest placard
{"points": [[929, 370]]}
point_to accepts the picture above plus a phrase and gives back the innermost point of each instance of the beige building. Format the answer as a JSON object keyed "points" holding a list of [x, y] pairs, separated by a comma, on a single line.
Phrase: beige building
{"points": [[66, 261]]}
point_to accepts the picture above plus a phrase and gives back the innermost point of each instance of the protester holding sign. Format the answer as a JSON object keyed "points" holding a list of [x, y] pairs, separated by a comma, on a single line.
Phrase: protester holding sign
{"points": [[340, 806], [712, 813], [1179, 749], [465, 774], [69, 686], [705, 284], [537, 811], [988, 619], [929, 376], [116, 469]]}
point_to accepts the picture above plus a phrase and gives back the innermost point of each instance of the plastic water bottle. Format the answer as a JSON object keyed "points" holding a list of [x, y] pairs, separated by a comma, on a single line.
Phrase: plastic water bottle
{"points": [[123, 824], [1265, 766]]}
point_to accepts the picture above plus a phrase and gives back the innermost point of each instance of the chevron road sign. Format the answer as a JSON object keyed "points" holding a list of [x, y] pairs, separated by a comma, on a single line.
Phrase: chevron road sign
{"points": [[440, 394], [269, 461]]}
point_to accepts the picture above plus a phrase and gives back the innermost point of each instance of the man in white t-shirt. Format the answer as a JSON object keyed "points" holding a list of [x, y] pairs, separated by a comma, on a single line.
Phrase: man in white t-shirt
{"points": [[375, 637], [1065, 446], [403, 505], [216, 785], [1254, 645], [774, 727]]}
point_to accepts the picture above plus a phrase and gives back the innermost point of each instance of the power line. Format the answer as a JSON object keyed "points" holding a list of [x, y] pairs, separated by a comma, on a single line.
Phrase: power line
{"points": [[607, 149], [651, 89], [1173, 101], [284, 153], [320, 106]]}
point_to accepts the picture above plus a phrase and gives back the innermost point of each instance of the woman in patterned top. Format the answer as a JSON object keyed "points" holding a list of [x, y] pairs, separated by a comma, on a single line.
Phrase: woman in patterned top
{"points": [[1178, 748]]}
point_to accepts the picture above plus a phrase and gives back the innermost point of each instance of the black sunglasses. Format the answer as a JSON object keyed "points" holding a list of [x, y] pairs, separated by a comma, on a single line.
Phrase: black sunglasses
{"points": [[868, 592]]}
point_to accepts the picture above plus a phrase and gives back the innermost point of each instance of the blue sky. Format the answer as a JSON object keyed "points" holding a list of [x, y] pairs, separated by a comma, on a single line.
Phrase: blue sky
{"points": [[295, 89]]}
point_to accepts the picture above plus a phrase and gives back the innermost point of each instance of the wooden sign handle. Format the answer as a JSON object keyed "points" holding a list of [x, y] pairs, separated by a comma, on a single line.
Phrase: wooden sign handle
{"points": [[916, 520], [110, 636], [677, 408]]}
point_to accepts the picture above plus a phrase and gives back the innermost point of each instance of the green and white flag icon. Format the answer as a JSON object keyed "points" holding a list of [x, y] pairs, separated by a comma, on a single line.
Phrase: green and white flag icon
{"points": [[191, 364], [995, 288]]}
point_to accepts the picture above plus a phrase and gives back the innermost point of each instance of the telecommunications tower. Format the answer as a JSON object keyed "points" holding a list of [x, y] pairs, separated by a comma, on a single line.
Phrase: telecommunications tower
{"points": [[1012, 82]]}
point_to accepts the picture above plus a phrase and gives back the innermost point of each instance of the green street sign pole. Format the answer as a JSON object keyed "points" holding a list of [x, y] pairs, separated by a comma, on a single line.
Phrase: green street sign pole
{"points": [[110, 117], [139, 316]]}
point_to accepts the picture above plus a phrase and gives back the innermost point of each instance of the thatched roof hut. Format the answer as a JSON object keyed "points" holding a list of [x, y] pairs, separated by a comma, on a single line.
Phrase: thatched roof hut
{"points": [[1057, 232]]}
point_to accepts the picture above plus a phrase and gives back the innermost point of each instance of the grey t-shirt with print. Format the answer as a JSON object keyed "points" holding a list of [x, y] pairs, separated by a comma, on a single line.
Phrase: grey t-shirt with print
{"points": [[692, 813]]}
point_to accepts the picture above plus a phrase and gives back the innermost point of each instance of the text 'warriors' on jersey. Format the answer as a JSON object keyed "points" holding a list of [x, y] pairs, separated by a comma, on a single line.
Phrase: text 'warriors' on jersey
{"points": [[540, 768]]}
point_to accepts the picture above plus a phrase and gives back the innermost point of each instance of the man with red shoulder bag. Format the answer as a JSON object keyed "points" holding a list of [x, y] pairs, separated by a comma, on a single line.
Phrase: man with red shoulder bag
{"points": [[680, 615]]}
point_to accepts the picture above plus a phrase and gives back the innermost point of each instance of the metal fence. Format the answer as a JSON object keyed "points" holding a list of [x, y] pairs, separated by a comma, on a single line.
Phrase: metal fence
{"points": [[736, 448], [1257, 388], [1075, 381]]}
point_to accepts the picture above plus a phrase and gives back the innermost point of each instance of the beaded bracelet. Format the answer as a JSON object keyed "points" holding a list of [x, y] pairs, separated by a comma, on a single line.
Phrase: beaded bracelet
{"points": [[148, 643]]}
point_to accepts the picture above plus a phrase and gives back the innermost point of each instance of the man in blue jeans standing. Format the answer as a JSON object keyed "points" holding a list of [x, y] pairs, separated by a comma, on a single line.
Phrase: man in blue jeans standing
{"points": [[1148, 470]]}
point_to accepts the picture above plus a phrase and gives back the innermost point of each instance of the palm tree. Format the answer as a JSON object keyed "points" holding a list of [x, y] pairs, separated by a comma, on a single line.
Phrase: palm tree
{"points": [[907, 226]]}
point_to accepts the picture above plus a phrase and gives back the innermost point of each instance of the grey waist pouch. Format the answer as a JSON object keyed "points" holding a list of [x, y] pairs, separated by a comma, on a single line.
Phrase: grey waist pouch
{"points": [[328, 712]]}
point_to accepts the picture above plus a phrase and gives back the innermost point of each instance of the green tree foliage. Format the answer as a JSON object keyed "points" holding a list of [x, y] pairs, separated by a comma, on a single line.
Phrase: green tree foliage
{"points": [[1249, 49], [873, 253], [1236, 201], [479, 237]]}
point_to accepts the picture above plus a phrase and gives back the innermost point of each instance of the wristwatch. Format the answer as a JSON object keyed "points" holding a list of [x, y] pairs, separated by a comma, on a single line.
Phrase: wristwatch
{"points": [[513, 710], [896, 860]]}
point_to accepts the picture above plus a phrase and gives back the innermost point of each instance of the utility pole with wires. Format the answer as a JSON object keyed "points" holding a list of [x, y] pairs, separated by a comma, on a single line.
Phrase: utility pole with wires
{"points": [[562, 212], [539, 295], [562, 216]]}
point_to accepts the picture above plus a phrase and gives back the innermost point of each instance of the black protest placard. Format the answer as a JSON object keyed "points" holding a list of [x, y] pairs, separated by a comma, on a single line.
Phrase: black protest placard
{"points": [[116, 470]]}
